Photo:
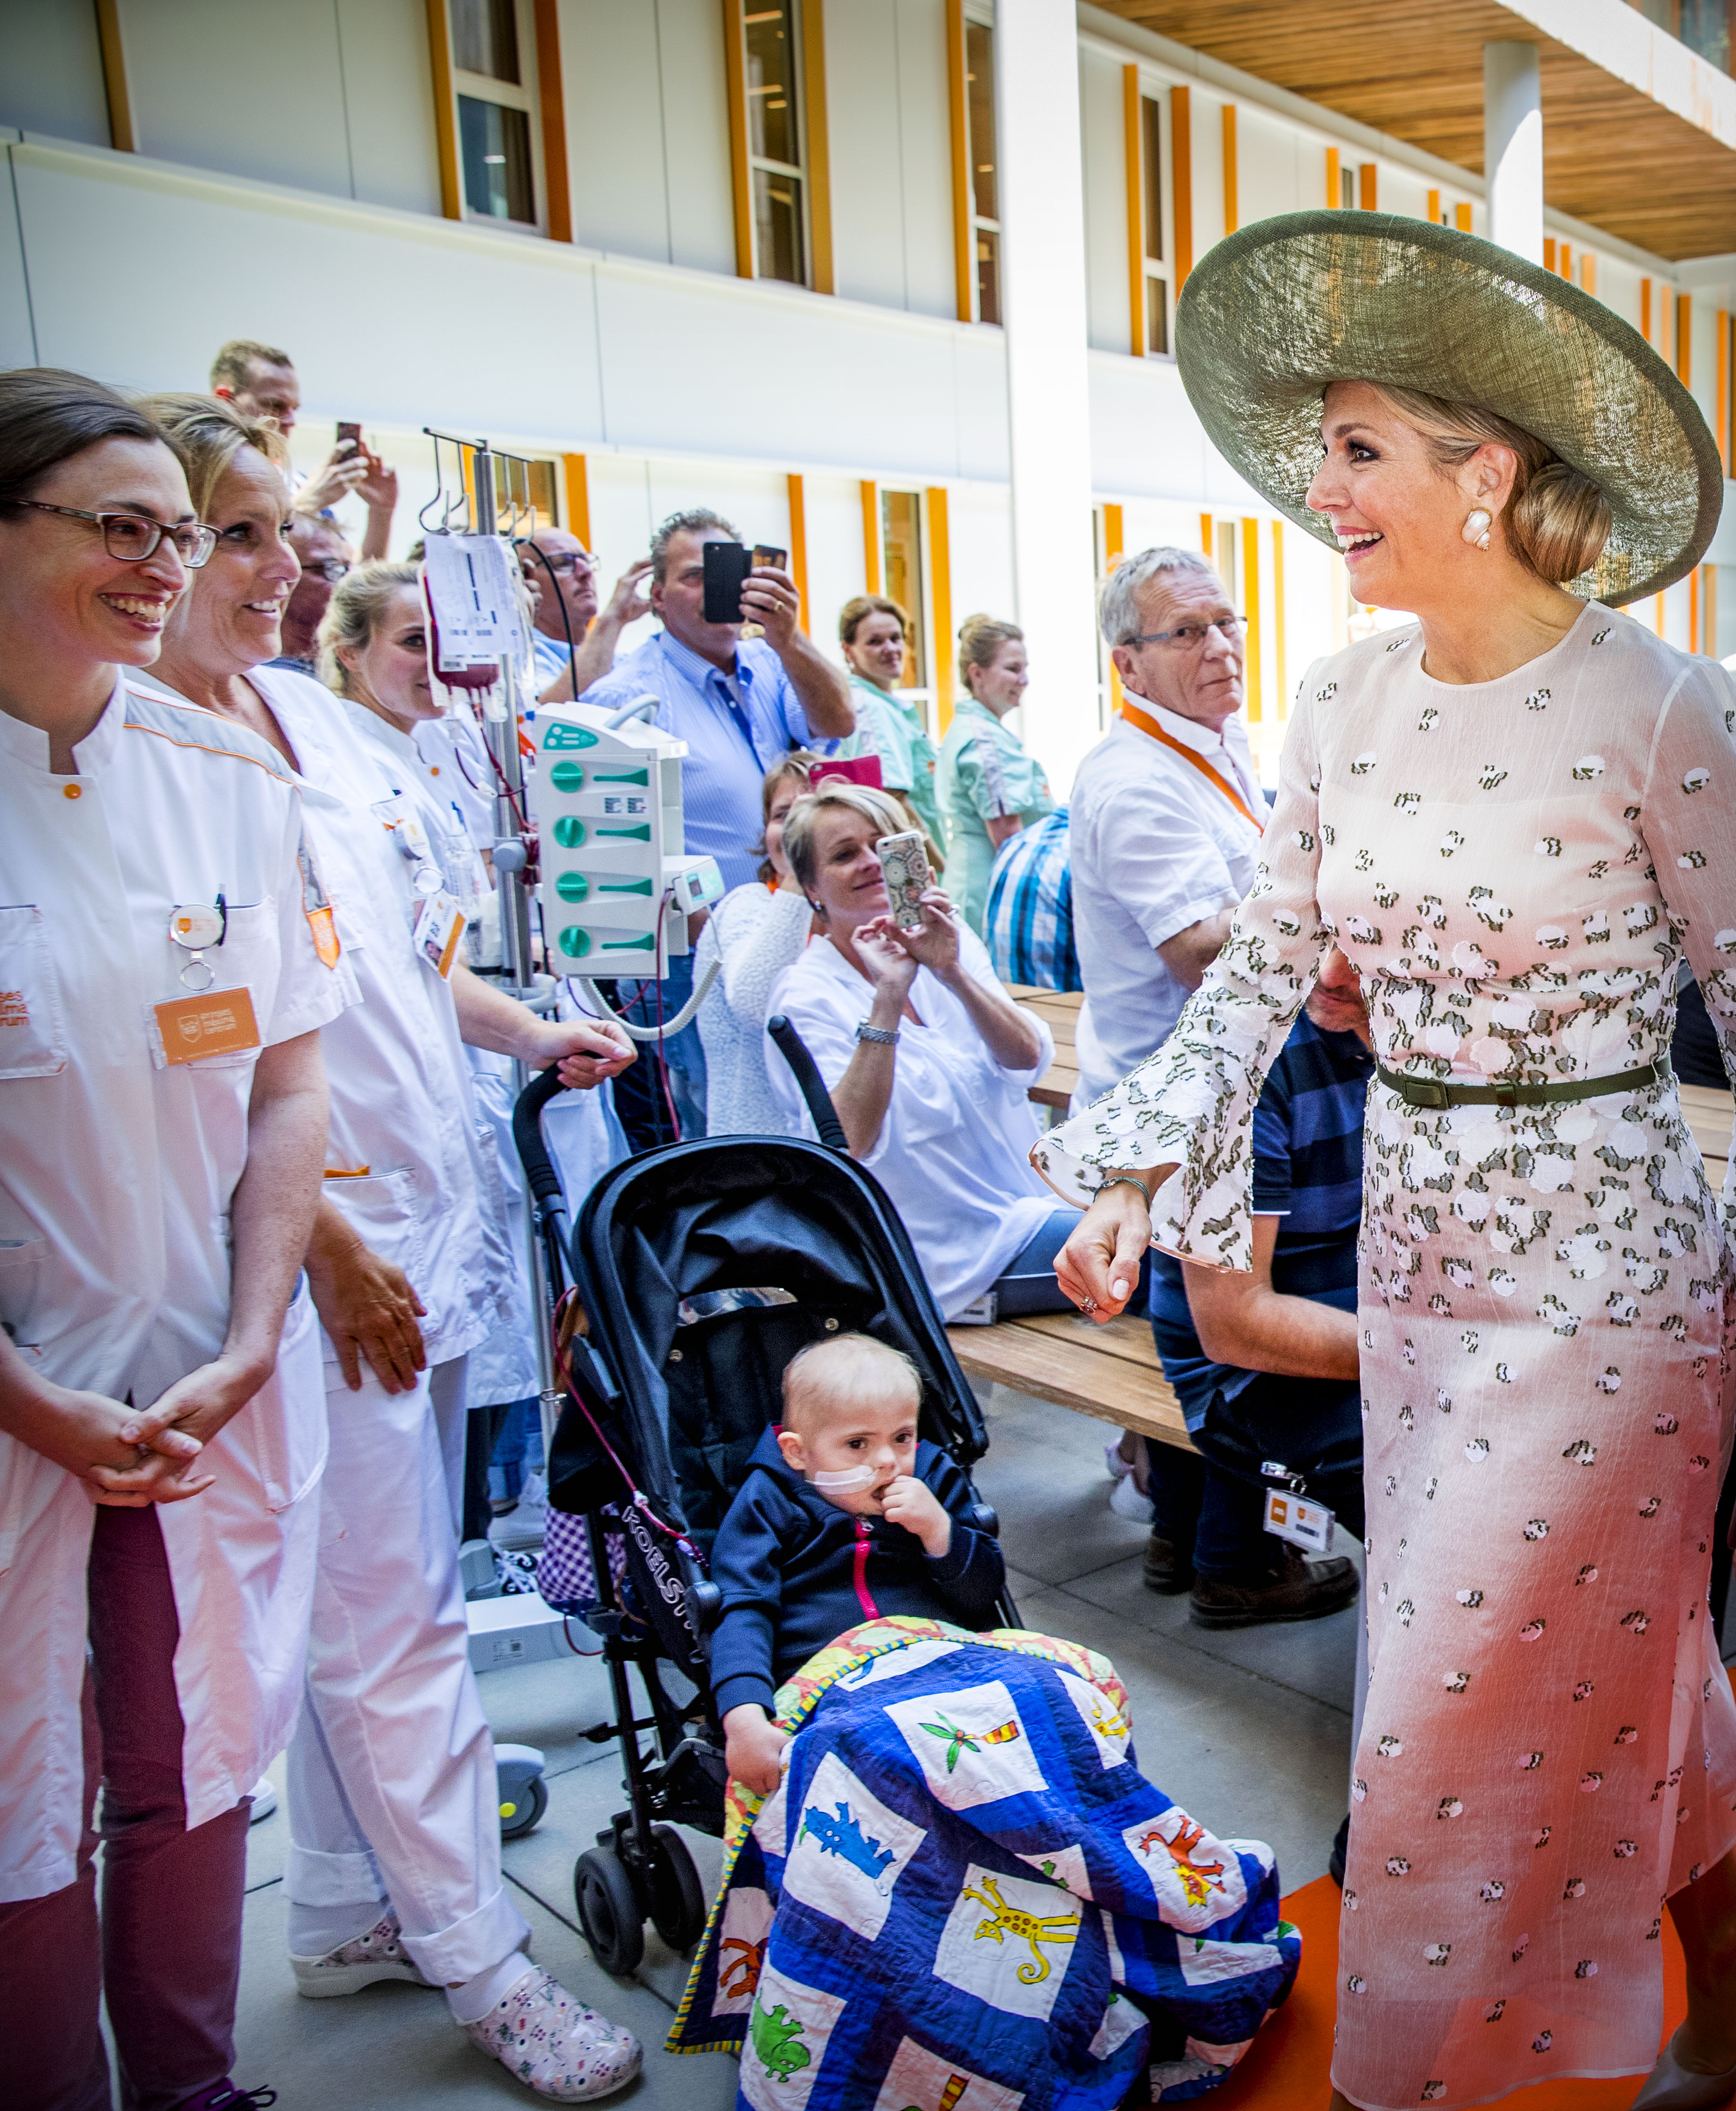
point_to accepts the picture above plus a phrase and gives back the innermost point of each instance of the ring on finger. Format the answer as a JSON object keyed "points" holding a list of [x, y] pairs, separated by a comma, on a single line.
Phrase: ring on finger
{"points": [[1088, 1304]]}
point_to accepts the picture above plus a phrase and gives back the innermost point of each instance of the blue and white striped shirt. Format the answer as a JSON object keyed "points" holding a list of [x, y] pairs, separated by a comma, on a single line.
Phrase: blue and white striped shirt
{"points": [[1029, 922], [736, 728]]}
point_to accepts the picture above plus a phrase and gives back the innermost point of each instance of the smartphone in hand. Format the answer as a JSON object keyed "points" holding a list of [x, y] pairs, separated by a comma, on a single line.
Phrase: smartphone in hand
{"points": [[905, 862], [349, 433], [726, 566], [769, 558]]}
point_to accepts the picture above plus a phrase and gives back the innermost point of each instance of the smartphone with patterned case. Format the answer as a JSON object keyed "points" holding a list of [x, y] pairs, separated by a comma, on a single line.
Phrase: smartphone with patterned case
{"points": [[905, 862]]}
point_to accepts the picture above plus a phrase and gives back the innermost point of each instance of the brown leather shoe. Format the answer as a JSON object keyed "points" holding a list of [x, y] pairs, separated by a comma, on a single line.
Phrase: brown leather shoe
{"points": [[1166, 1572], [1298, 1589]]}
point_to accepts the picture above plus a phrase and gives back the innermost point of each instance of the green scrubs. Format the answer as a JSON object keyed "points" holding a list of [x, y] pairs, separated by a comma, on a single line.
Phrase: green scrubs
{"points": [[985, 769]]}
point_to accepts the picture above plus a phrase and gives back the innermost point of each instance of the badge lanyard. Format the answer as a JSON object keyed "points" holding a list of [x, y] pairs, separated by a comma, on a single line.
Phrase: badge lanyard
{"points": [[744, 725], [1146, 724], [317, 909], [194, 928], [412, 841]]}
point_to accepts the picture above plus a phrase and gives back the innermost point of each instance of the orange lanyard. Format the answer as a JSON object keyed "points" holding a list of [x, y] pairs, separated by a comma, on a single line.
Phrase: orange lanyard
{"points": [[1147, 724]]}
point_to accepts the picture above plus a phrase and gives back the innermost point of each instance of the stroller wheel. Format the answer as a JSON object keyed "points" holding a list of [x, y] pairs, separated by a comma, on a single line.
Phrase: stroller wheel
{"points": [[678, 1909], [609, 1911]]}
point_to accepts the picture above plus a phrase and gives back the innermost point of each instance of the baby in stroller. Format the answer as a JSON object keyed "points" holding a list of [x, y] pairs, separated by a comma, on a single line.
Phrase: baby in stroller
{"points": [[845, 1515]]}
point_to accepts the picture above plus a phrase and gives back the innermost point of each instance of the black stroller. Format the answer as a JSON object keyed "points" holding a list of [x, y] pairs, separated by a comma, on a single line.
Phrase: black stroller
{"points": [[697, 1271]]}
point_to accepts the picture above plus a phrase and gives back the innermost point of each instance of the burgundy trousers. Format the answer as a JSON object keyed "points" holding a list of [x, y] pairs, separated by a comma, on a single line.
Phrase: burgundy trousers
{"points": [[166, 1953]]}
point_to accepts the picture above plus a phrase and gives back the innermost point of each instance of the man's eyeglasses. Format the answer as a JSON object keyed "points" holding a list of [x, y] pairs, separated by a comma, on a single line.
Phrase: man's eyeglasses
{"points": [[1191, 637], [133, 537], [567, 560], [328, 567]]}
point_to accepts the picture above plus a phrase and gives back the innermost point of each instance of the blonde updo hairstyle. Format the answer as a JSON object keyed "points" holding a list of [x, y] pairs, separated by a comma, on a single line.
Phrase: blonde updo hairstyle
{"points": [[835, 795], [1556, 520], [358, 604], [979, 638]]}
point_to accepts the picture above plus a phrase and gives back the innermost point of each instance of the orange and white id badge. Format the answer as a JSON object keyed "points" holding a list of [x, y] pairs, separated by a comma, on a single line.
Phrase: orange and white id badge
{"points": [[439, 925], [317, 909], [213, 1022], [1303, 1523]]}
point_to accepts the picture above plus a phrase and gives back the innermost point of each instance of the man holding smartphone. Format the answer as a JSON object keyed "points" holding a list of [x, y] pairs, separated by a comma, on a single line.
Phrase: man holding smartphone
{"points": [[739, 703]]}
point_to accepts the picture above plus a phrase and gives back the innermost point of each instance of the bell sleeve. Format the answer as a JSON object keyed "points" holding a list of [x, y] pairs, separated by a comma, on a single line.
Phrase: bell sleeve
{"points": [[1688, 817], [1193, 1101]]}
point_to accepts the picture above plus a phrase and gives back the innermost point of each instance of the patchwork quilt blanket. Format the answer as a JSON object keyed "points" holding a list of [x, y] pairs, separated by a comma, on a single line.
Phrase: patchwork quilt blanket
{"points": [[965, 1896]]}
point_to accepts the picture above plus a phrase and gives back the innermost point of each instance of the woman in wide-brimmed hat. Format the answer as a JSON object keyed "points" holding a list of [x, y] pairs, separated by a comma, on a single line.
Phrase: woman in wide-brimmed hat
{"points": [[1516, 817]]}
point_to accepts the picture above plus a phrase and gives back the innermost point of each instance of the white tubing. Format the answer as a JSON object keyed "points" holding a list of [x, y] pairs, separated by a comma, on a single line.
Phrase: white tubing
{"points": [[681, 1017]]}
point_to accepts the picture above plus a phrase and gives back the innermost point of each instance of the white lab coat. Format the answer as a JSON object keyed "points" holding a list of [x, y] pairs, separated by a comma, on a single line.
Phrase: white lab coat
{"points": [[115, 1176]]}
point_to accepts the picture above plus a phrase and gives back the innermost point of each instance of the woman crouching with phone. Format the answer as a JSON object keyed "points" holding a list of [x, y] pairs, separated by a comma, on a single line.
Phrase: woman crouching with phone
{"points": [[927, 1059]]}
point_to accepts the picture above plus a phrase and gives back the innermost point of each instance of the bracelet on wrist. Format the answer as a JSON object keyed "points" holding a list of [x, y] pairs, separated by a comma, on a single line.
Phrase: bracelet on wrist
{"points": [[886, 1036], [1125, 1180]]}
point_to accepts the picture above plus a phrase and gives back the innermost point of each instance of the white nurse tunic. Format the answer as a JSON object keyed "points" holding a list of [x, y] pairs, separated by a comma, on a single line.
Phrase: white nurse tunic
{"points": [[116, 1171]]}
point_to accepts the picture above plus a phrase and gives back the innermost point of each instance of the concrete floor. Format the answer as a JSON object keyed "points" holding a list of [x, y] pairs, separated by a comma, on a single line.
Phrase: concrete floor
{"points": [[1249, 1730]]}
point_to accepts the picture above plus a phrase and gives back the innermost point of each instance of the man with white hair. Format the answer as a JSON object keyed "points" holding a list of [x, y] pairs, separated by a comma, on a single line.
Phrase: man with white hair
{"points": [[1167, 811]]}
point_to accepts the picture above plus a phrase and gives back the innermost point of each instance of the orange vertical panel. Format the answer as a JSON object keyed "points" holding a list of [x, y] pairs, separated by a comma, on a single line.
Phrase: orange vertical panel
{"points": [[1434, 207], [1133, 130], [1645, 310], [1589, 272], [964, 273], [1334, 194], [940, 595], [122, 135], [1723, 420], [1181, 181], [1462, 218], [1254, 664], [578, 482], [1368, 187], [1232, 208], [445, 114], [1207, 536], [551, 93], [740, 177], [819, 146], [1114, 549], [1564, 255], [1548, 253], [871, 537], [799, 549], [1684, 338]]}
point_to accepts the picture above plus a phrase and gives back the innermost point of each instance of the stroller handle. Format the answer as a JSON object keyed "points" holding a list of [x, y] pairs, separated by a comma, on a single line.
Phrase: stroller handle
{"points": [[795, 1051], [527, 1134]]}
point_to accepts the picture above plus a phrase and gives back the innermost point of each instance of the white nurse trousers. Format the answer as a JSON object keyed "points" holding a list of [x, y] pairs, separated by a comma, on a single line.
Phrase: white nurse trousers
{"points": [[393, 1793]]}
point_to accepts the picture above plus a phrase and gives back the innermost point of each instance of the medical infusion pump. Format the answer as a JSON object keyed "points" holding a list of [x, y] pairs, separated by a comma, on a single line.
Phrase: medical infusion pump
{"points": [[606, 800]]}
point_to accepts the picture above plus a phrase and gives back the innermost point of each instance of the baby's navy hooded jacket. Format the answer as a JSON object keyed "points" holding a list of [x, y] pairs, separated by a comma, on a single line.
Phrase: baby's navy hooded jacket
{"points": [[796, 1572]]}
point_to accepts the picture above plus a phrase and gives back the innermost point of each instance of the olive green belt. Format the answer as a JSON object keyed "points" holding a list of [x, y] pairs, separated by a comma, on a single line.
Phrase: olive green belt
{"points": [[1436, 1092]]}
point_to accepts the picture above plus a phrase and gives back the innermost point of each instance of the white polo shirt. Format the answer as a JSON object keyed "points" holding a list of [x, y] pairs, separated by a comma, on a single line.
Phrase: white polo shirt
{"points": [[954, 1149], [1155, 846]]}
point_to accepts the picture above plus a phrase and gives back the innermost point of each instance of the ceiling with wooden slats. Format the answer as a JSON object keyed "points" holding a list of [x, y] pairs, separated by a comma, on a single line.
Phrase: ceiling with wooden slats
{"points": [[1612, 156]]}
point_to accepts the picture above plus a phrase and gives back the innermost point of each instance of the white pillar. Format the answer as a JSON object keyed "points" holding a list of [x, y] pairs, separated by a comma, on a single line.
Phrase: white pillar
{"points": [[1513, 148], [1042, 209]]}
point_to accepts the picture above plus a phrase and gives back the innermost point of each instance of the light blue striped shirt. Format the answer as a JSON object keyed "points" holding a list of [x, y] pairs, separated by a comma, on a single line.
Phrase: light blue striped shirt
{"points": [[736, 728]]}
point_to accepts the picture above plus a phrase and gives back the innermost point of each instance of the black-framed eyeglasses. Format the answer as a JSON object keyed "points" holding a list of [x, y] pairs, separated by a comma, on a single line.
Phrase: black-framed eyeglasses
{"points": [[133, 537], [568, 561], [1191, 637], [332, 569]]}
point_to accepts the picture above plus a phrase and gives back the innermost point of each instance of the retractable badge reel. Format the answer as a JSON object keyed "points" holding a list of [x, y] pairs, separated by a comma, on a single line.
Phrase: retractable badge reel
{"points": [[194, 929]]}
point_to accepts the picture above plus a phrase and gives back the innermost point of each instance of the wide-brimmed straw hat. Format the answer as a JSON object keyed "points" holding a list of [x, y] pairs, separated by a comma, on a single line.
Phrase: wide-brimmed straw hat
{"points": [[1272, 313]]}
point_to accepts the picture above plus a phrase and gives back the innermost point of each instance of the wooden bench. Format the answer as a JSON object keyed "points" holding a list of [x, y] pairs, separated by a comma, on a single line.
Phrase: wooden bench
{"points": [[1110, 1372]]}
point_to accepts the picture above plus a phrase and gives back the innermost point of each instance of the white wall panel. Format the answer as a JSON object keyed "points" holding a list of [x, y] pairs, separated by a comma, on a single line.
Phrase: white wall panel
{"points": [[389, 102], [252, 87], [17, 339], [617, 171], [925, 148], [1103, 134], [696, 131], [980, 521], [868, 200], [50, 70], [837, 569], [1146, 442], [1268, 178]]}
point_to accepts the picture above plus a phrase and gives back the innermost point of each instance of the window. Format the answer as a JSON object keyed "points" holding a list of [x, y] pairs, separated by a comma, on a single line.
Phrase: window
{"points": [[1157, 270], [1346, 190], [493, 81], [777, 165], [984, 182], [901, 561]]}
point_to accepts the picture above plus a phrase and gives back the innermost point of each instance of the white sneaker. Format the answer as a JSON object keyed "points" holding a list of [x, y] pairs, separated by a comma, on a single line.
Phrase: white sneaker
{"points": [[358, 1963], [265, 1800], [525, 1526], [554, 2045]]}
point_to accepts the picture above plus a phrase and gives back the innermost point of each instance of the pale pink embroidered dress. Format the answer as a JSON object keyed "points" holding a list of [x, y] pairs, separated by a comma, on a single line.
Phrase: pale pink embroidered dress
{"points": [[1550, 1748]]}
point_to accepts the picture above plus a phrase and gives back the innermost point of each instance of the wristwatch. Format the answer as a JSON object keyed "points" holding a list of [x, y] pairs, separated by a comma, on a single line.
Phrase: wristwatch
{"points": [[864, 1032]]}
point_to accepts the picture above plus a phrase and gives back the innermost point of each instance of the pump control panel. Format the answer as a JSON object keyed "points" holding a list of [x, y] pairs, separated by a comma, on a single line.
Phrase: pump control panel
{"points": [[606, 800]]}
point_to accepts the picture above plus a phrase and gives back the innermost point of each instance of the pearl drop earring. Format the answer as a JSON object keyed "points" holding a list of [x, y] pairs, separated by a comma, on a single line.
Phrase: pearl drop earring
{"points": [[1476, 527]]}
